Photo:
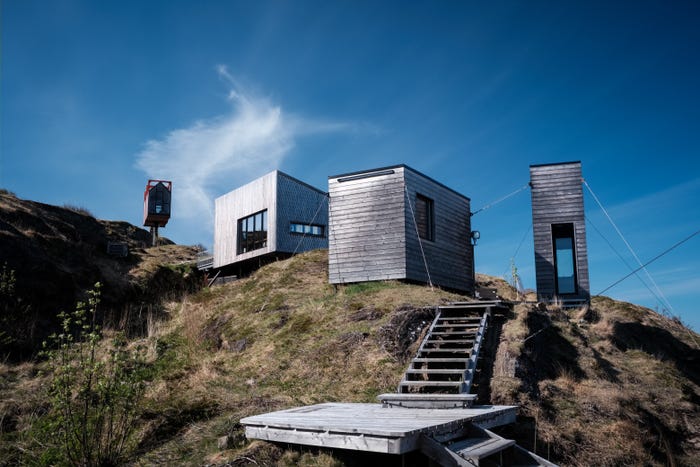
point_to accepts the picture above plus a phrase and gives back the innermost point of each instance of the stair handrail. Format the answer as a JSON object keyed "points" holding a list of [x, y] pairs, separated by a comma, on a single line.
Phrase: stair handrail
{"points": [[471, 366]]}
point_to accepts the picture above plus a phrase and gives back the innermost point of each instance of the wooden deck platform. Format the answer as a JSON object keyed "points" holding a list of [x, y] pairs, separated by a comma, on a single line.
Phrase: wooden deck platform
{"points": [[370, 427]]}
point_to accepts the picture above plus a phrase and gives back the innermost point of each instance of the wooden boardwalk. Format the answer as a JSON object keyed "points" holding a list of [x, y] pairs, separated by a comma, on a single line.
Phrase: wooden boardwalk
{"points": [[371, 427]]}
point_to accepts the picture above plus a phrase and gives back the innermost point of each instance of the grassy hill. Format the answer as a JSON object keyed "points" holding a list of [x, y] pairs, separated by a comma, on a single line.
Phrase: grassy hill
{"points": [[613, 384], [57, 253]]}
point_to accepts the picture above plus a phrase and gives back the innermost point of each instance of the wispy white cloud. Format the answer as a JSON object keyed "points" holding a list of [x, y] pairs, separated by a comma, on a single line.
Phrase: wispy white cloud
{"points": [[252, 138]]}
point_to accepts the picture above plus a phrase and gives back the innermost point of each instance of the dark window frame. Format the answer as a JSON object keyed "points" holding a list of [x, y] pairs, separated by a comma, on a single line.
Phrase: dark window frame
{"points": [[307, 229], [564, 231], [425, 217], [255, 224]]}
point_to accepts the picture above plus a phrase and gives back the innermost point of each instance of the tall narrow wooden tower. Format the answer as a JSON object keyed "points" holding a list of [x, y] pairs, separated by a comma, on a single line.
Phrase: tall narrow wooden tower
{"points": [[559, 229]]}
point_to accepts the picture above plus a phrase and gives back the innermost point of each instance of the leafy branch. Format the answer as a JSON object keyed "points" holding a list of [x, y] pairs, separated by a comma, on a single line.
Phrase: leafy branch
{"points": [[94, 395]]}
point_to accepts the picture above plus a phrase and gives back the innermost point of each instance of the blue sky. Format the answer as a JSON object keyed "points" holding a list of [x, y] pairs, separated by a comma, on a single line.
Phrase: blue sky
{"points": [[96, 97]]}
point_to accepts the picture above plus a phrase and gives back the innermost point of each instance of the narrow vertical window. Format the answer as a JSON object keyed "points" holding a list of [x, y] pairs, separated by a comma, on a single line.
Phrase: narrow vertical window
{"points": [[564, 258], [425, 217]]}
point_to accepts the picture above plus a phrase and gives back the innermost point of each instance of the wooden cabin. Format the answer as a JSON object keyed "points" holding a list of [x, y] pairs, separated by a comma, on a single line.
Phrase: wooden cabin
{"points": [[396, 223], [559, 230], [156, 203], [273, 216]]}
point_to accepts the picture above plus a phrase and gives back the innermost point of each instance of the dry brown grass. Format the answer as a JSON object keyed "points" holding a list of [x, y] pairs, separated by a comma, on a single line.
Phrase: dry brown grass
{"points": [[625, 401], [283, 337]]}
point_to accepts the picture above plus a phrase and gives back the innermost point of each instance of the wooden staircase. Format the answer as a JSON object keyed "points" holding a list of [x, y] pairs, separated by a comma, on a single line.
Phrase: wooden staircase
{"points": [[446, 360], [479, 447], [441, 377]]}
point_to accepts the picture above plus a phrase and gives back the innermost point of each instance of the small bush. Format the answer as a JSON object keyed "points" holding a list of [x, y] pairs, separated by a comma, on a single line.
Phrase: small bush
{"points": [[93, 399]]}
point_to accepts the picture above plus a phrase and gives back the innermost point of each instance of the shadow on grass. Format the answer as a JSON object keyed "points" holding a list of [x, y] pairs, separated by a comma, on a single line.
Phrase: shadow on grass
{"points": [[547, 354], [659, 344]]}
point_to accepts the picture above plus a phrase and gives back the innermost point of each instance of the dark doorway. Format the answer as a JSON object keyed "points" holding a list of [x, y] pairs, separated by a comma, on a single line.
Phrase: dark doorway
{"points": [[564, 258]]}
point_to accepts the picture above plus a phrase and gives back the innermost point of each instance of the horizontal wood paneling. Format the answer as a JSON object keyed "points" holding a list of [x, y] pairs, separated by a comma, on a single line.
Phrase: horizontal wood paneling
{"points": [[373, 235], [449, 256], [557, 198], [366, 229]]}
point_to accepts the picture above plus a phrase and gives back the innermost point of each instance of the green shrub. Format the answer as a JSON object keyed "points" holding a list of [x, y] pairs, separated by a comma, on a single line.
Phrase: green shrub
{"points": [[93, 398]]}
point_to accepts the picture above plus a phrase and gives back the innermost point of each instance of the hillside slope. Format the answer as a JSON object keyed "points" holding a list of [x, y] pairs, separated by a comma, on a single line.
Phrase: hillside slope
{"points": [[616, 384], [613, 385], [57, 253]]}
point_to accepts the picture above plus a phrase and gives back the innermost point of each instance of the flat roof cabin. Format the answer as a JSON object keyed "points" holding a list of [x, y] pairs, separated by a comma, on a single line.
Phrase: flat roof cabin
{"points": [[396, 223], [275, 215]]}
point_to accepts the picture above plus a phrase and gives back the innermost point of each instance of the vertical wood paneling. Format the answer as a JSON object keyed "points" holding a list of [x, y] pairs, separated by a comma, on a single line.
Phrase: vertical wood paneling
{"points": [[557, 198], [286, 200], [250, 198]]}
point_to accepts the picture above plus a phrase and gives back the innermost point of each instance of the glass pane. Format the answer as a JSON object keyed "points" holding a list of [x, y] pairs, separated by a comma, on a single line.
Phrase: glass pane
{"points": [[424, 217], [564, 249], [264, 221]]}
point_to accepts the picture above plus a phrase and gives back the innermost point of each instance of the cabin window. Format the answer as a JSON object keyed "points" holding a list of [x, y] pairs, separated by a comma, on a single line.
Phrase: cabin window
{"points": [[252, 232], [159, 200], [425, 217], [312, 230], [564, 258]]}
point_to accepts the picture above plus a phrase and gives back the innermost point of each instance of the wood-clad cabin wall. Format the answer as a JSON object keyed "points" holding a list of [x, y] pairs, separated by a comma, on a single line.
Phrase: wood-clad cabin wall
{"points": [[372, 234], [298, 202], [557, 198], [367, 228], [249, 199], [449, 255]]}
